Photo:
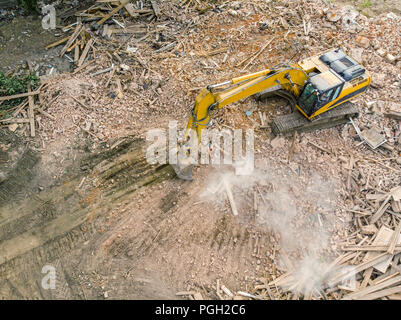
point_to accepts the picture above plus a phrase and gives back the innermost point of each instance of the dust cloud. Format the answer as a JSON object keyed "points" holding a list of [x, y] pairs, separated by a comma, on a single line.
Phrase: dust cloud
{"points": [[296, 212]]}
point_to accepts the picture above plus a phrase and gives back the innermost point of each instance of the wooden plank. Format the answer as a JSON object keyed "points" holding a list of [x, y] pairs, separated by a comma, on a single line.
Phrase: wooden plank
{"points": [[156, 8], [376, 196], [55, 44], [21, 107], [45, 113], [369, 248], [394, 239], [361, 293], [131, 10], [381, 210], [396, 193], [255, 55], [110, 14], [230, 198], [120, 93], [248, 295], [393, 115], [319, 147], [349, 177], [292, 146], [111, 76], [85, 52], [81, 103], [83, 66], [15, 120], [358, 268], [76, 54], [366, 277], [394, 265], [284, 278], [382, 164], [381, 293], [30, 112], [226, 291], [383, 238], [75, 35], [20, 95]]}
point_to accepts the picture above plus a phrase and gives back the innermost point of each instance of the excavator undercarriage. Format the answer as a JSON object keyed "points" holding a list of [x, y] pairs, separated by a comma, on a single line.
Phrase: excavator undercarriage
{"points": [[295, 121], [287, 124]]}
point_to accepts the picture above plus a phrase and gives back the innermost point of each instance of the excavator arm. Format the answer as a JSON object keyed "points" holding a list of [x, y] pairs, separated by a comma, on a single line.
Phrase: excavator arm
{"points": [[290, 78]]}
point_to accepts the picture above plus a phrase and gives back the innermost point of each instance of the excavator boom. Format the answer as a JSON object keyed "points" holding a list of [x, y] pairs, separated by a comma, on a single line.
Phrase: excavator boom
{"points": [[290, 78]]}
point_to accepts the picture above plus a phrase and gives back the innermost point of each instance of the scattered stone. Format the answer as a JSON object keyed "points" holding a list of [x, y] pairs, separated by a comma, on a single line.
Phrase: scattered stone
{"points": [[392, 16], [390, 58], [381, 52], [395, 107], [13, 127], [349, 22], [277, 142], [363, 41], [333, 16], [378, 80], [357, 54], [198, 296], [233, 12]]}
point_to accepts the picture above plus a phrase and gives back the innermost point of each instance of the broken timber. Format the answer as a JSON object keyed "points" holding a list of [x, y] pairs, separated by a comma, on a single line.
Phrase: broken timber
{"points": [[30, 112], [231, 198], [21, 95], [110, 14]]}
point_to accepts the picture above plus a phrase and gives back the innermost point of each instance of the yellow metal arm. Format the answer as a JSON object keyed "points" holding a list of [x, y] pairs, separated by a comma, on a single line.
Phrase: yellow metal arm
{"points": [[290, 78]]}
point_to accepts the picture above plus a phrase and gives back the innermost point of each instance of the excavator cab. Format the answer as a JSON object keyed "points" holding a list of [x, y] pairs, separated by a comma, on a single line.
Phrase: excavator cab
{"points": [[318, 92], [334, 78], [308, 99]]}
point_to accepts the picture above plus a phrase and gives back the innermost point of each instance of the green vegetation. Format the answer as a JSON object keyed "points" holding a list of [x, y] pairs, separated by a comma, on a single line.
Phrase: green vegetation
{"points": [[15, 85], [365, 4], [29, 5]]}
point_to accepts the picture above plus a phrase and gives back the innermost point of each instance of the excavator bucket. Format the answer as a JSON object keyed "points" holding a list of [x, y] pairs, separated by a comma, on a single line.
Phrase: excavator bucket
{"points": [[185, 163], [183, 171]]}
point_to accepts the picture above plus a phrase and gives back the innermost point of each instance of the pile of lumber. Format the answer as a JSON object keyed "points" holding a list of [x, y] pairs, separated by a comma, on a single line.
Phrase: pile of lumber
{"points": [[80, 42], [105, 17], [367, 270], [24, 113]]}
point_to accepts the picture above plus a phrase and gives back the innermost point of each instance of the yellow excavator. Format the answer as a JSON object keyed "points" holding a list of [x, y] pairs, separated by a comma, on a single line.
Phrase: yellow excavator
{"points": [[319, 89]]}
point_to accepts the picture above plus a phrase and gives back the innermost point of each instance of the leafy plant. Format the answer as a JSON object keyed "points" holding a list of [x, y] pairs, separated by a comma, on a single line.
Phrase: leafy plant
{"points": [[365, 4], [29, 5], [15, 85]]}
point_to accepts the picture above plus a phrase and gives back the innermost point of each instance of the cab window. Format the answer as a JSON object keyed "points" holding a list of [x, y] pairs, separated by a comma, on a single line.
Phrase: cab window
{"points": [[325, 97], [308, 99], [337, 92]]}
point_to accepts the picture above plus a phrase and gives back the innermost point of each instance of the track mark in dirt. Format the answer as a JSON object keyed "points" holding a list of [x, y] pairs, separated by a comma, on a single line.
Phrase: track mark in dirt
{"points": [[41, 228]]}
